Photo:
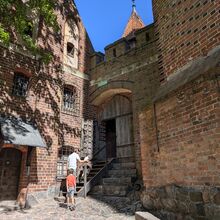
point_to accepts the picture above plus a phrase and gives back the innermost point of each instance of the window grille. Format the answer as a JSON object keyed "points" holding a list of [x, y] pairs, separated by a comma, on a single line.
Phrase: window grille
{"points": [[20, 85], [71, 100], [63, 154]]}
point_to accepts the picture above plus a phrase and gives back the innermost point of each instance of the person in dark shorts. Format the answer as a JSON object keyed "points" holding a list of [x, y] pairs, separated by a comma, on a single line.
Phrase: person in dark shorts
{"points": [[71, 187]]}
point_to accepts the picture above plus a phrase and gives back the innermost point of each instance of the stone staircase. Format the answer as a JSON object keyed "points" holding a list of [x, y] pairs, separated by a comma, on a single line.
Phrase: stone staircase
{"points": [[117, 181], [93, 172]]}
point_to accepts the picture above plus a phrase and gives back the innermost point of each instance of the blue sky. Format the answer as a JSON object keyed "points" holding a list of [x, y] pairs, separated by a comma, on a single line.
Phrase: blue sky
{"points": [[105, 20]]}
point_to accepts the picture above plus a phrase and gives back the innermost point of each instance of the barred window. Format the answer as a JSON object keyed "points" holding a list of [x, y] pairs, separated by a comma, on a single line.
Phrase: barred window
{"points": [[63, 154], [20, 85], [71, 100]]}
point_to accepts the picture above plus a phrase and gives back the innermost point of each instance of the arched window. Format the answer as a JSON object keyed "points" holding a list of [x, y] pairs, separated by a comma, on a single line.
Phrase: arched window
{"points": [[71, 43], [20, 84], [71, 100]]}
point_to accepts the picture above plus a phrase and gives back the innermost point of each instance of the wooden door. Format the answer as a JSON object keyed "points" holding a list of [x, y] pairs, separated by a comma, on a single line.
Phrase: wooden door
{"points": [[10, 163], [124, 133], [111, 138]]}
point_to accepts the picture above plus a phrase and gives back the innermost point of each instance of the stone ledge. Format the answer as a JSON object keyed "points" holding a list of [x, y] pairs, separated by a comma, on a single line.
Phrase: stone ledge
{"points": [[145, 216], [189, 72]]}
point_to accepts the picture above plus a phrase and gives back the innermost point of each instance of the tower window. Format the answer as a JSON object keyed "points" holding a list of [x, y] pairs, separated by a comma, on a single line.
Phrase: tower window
{"points": [[114, 52], [70, 49], [147, 36], [20, 85]]}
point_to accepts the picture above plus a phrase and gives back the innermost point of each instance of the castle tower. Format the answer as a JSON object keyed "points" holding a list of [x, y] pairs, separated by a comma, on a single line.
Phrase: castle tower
{"points": [[134, 23]]}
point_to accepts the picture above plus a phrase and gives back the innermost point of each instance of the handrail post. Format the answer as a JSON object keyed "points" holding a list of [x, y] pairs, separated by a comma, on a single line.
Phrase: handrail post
{"points": [[85, 179]]}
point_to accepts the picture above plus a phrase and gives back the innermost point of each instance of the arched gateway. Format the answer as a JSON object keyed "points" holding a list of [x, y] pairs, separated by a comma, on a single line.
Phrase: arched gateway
{"points": [[116, 121]]}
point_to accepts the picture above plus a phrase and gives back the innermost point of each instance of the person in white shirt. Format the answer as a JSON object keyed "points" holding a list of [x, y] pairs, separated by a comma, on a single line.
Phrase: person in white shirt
{"points": [[72, 161]]}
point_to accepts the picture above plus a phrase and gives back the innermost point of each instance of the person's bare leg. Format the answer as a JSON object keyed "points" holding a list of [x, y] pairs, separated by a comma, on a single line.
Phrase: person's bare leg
{"points": [[72, 203], [68, 201]]}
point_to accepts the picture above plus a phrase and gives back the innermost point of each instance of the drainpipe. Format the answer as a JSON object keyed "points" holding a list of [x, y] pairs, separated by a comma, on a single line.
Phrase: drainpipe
{"points": [[28, 166]]}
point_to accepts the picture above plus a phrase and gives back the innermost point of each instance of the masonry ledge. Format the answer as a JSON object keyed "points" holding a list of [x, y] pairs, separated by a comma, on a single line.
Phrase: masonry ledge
{"points": [[145, 216], [189, 72], [12, 47], [71, 70]]}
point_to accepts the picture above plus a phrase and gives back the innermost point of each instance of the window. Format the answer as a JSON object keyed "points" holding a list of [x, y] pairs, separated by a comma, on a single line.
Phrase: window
{"points": [[28, 31], [71, 44], [70, 100], [20, 85], [114, 52], [63, 154], [70, 49], [127, 46], [147, 37]]}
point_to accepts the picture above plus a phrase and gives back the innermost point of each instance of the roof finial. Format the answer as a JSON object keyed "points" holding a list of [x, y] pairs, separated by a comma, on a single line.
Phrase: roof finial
{"points": [[133, 5]]}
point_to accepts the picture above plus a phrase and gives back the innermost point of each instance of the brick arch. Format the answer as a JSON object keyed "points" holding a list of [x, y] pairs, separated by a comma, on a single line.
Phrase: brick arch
{"points": [[98, 96], [23, 71]]}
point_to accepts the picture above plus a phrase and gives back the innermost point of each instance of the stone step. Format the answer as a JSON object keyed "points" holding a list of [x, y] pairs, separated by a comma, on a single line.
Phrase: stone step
{"points": [[100, 163], [145, 216], [117, 181], [109, 190], [98, 166], [125, 160], [112, 199], [122, 173], [129, 165]]}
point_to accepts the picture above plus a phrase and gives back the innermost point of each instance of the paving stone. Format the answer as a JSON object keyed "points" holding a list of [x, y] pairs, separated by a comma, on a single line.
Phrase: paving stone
{"points": [[97, 208]]}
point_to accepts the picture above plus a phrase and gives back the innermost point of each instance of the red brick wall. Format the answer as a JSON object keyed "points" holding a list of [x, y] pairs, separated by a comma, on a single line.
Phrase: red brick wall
{"points": [[44, 99], [185, 30], [54, 42], [188, 137]]}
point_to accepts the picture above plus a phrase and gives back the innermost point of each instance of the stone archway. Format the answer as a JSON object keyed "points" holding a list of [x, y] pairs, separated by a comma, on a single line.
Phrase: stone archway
{"points": [[10, 164], [119, 111], [116, 118]]}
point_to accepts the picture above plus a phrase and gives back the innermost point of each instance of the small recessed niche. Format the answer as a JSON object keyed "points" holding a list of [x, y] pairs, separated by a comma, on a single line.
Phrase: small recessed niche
{"points": [[70, 49]]}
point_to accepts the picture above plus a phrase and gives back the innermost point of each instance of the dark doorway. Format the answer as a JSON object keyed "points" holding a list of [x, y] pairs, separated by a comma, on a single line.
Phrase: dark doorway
{"points": [[10, 164], [110, 138]]}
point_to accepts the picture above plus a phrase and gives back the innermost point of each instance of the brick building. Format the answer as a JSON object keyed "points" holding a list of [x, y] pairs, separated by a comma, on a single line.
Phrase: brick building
{"points": [[169, 72], [43, 105], [152, 99]]}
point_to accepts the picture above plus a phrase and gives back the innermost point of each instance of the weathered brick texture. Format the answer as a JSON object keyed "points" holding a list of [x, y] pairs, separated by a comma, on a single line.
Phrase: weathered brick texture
{"points": [[185, 30], [134, 70], [43, 103], [185, 129]]}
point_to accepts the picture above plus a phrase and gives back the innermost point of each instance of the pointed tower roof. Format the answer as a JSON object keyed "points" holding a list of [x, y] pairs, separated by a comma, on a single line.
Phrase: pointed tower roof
{"points": [[134, 23]]}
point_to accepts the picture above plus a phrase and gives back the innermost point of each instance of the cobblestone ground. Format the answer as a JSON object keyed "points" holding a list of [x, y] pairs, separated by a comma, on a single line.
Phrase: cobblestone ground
{"points": [[86, 209]]}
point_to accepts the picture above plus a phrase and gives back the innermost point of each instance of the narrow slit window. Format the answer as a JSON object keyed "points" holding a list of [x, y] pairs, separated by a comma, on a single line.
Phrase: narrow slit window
{"points": [[114, 52], [147, 37]]}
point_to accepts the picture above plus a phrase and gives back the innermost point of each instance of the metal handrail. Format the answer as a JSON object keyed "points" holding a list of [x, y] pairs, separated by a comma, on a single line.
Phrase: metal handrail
{"points": [[92, 182]]}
